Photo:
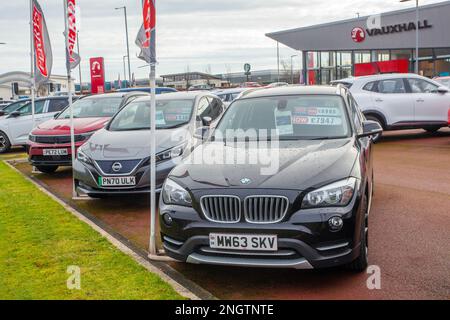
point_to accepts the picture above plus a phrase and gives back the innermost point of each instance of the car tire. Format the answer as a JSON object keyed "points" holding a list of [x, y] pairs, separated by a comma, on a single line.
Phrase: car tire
{"points": [[360, 264], [5, 144], [431, 129], [47, 169], [376, 137]]}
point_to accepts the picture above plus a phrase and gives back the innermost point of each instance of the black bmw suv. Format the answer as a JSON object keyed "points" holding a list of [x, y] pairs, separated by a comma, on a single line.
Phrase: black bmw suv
{"points": [[285, 180]]}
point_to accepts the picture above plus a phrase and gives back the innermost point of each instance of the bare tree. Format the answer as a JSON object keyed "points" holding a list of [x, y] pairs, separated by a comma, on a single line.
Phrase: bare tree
{"points": [[228, 72], [285, 73]]}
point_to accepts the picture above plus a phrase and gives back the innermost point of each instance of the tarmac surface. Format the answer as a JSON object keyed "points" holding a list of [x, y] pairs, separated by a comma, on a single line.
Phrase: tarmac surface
{"points": [[409, 231]]}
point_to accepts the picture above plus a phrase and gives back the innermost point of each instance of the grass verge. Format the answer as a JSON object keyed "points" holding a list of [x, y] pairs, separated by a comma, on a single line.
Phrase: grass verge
{"points": [[40, 240]]}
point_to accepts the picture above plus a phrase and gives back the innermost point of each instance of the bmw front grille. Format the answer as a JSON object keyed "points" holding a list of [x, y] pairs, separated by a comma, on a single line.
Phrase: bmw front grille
{"points": [[257, 209]]}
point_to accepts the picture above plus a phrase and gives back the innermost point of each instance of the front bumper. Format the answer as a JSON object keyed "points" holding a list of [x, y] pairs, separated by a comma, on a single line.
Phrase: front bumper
{"points": [[36, 157], [305, 240], [86, 179]]}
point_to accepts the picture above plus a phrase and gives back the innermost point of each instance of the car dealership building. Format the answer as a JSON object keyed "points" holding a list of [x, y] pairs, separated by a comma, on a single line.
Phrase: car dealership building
{"points": [[381, 43]]}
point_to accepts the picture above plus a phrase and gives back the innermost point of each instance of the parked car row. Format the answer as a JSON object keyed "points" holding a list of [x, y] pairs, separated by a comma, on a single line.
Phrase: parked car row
{"points": [[17, 120], [311, 211]]}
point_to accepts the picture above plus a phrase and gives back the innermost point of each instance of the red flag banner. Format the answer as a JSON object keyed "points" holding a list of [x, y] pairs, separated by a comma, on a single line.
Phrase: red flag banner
{"points": [[72, 59], [147, 34], [42, 48]]}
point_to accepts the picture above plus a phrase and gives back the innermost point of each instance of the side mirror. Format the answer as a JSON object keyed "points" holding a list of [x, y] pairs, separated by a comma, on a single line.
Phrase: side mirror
{"points": [[2, 113], [442, 90], [370, 128], [207, 121], [202, 133]]}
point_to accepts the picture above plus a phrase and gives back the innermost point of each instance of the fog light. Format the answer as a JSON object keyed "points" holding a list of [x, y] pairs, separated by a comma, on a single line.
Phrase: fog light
{"points": [[335, 223], [167, 219]]}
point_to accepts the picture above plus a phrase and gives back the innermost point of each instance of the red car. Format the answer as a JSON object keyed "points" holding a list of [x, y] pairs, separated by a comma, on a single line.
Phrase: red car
{"points": [[251, 85], [49, 143]]}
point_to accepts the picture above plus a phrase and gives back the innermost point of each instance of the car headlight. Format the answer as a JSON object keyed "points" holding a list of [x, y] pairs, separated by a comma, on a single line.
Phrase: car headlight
{"points": [[171, 153], [83, 158], [337, 194], [83, 136], [173, 193], [32, 138]]}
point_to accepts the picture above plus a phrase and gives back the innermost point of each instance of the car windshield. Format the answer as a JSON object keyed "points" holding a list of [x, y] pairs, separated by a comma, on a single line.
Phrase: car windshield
{"points": [[14, 106], [169, 114], [93, 107], [301, 117]]}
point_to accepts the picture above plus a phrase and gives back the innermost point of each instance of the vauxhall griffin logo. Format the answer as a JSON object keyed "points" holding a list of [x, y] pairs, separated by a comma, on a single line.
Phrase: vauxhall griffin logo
{"points": [[358, 34], [246, 181], [117, 166]]}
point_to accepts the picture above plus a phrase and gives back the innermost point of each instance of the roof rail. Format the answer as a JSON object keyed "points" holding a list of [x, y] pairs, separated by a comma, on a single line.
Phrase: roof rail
{"points": [[248, 91], [339, 88]]}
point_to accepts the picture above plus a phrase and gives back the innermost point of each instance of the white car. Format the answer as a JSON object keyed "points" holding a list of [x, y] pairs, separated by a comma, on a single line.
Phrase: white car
{"points": [[16, 126], [401, 101]]}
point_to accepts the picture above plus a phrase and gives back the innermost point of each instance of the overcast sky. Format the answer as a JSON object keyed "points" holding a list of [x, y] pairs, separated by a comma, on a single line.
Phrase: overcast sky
{"points": [[194, 33]]}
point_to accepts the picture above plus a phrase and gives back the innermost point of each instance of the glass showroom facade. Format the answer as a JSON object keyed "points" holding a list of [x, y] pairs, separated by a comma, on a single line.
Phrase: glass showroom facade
{"points": [[381, 43], [325, 66]]}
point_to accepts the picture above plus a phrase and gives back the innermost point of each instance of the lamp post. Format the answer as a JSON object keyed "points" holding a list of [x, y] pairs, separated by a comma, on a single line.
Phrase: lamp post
{"points": [[292, 68], [416, 65], [128, 46]]}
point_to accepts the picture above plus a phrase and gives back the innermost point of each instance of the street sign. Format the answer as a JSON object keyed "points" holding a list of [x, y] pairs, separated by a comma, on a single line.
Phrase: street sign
{"points": [[247, 68]]}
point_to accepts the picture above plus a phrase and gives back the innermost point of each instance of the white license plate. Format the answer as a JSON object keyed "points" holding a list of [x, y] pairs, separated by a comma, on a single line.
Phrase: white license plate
{"points": [[243, 242], [55, 152], [116, 181]]}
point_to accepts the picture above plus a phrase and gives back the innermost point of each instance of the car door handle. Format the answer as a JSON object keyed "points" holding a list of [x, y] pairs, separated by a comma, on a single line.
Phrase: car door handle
{"points": [[378, 100], [420, 100]]}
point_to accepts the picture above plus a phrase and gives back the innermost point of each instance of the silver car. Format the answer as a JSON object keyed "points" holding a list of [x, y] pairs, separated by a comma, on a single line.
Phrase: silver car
{"points": [[115, 160]]}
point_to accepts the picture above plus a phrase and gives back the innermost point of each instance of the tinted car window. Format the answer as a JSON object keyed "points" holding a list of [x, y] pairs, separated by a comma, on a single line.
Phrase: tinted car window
{"points": [[391, 86], [14, 106], [203, 107], [371, 86], [355, 112], [216, 108], [136, 115], [94, 108], [421, 86], [293, 117], [38, 108], [57, 105]]}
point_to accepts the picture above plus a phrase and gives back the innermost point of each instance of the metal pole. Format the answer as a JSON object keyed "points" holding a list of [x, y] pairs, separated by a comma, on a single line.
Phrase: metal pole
{"points": [[69, 90], [152, 247], [79, 66], [33, 79], [128, 45], [124, 68], [278, 61], [417, 37]]}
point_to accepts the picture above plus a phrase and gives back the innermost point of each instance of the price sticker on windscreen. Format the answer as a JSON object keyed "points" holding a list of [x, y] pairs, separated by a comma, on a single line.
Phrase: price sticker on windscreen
{"points": [[322, 116], [283, 122]]}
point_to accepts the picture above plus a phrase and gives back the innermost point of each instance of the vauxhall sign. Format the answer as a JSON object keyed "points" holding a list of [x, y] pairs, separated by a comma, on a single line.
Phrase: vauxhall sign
{"points": [[359, 34]]}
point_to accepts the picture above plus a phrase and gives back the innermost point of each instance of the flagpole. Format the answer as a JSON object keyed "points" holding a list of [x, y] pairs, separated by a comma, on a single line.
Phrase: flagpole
{"points": [[69, 90], [152, 247], [33, 80]]}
